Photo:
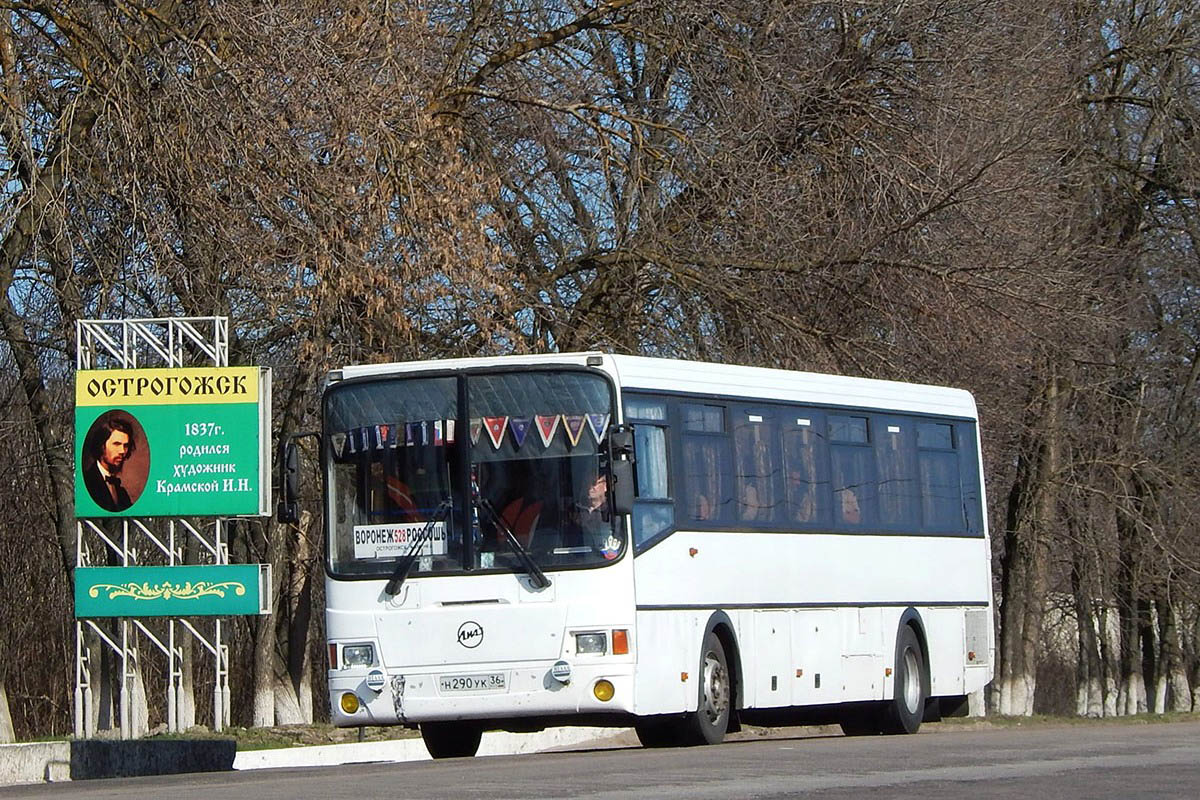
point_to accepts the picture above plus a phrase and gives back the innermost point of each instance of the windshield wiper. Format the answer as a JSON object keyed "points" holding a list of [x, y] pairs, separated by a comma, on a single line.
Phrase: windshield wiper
{"points": [[537, 578], [404, 565]]}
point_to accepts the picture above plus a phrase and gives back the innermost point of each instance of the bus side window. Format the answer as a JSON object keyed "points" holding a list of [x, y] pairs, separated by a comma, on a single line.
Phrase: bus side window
{"points": [[653, 509], [941, 487], [705, 461], [896, 462], [853, 472], [806, 469], [755, 465]]}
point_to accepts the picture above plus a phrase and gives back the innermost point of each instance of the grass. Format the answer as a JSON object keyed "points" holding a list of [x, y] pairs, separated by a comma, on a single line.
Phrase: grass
{"points": [[1042, 720], [286, 736]]}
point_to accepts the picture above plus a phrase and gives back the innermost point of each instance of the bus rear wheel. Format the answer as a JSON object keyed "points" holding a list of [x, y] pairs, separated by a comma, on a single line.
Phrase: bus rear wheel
{"points": [[904, 712], [864, 721], [451, 739], [907, 709]]}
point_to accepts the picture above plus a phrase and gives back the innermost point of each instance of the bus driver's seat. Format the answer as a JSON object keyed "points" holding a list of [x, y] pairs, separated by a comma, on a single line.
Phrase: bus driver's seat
{"points": [[521, 517]]}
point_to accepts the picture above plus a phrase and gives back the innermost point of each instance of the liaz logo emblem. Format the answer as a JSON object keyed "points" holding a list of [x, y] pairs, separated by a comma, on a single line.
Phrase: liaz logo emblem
{"points": [[470, 634]]}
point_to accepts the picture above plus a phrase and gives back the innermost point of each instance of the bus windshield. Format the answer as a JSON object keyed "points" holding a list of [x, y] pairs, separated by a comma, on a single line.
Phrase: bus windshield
{"points": [[522, 467]]}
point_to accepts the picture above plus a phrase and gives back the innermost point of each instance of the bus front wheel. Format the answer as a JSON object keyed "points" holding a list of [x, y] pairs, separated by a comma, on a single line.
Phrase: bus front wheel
{"points": [[451, 739], [707, 724]]}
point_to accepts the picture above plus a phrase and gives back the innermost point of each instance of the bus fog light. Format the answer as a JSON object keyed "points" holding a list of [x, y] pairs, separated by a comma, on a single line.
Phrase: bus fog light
{"points": [[603, 690], [358, 655], [349, 703], [595, 643]]}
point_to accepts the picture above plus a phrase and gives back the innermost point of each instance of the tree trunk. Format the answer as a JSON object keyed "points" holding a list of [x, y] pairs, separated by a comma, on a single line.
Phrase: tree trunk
{"points": [[1194, 673], [1176, 695], [7, 734], [186, 708], [1109, 647], [186, 643], [1031, 516], [266, 656], [264, 659], [1130, 607], [1089, 677], [300, 617]]}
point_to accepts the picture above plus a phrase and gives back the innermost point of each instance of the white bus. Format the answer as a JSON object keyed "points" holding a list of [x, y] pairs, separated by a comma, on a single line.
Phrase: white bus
{"points": [[800, 548]]}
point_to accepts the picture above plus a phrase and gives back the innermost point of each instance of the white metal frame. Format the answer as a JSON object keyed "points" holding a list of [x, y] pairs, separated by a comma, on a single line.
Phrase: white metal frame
{"points": [[131, 344]]}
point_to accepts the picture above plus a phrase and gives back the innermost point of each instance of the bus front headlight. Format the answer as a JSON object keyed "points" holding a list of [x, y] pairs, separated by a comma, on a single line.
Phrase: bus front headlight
{"points": [[358, 655], [594, 643]]}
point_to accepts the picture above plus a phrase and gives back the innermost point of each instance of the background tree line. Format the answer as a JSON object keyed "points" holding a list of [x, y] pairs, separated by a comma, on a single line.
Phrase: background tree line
{"points": [[995, 195]]}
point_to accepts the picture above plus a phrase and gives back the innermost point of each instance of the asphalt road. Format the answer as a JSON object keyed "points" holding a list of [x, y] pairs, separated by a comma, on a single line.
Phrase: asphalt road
{"points": [[1126, 760]]}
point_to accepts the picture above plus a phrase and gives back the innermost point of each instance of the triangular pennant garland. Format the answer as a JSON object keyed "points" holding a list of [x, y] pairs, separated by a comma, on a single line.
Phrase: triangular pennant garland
{"points": [[495, 429], [476, 428], [598, 423], [547, 425], [573, 423], [338, 441], [437, 433], [381, 436], [449, 431], [415, 434], [520, 429]]}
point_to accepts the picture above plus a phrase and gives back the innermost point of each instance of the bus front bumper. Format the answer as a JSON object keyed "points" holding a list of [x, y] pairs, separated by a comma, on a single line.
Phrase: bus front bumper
{"points": [[480, 691]]}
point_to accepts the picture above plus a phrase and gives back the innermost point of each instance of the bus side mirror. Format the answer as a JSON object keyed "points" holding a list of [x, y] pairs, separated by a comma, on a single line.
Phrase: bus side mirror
{"points": [[289, 479], [620, 443]]}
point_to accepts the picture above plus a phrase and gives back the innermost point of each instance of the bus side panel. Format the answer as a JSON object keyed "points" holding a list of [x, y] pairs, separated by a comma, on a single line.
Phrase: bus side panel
{"points": [[816, 636], [768, 659], [946, 657], [669, 648], [863, 651]]}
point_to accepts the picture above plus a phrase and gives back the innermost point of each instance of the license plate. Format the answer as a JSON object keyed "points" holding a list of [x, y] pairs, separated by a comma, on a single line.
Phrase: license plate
{"points": [[486, 682]]}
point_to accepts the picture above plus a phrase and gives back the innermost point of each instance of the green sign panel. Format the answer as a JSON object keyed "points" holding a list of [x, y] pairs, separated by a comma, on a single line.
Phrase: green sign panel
{"points": [[172, 442], [208, 590]]}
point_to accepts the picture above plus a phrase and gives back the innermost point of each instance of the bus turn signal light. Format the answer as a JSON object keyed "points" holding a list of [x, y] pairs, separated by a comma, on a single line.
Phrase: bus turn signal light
{"points": [[620, 642]]}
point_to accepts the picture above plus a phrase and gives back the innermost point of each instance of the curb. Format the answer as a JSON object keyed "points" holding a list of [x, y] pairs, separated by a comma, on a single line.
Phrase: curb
{"points": [[35, 762], [494, 743], [52, 762]]}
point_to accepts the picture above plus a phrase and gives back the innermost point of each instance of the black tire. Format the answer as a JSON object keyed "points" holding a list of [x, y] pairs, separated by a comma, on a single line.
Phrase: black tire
{"points": [[451, 739], [708, 723], [863, 721], [907, 708], [657, 733]]}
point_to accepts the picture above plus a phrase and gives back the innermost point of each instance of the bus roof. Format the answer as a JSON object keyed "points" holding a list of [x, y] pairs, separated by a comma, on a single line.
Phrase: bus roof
{"points": [[718, 380]]}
